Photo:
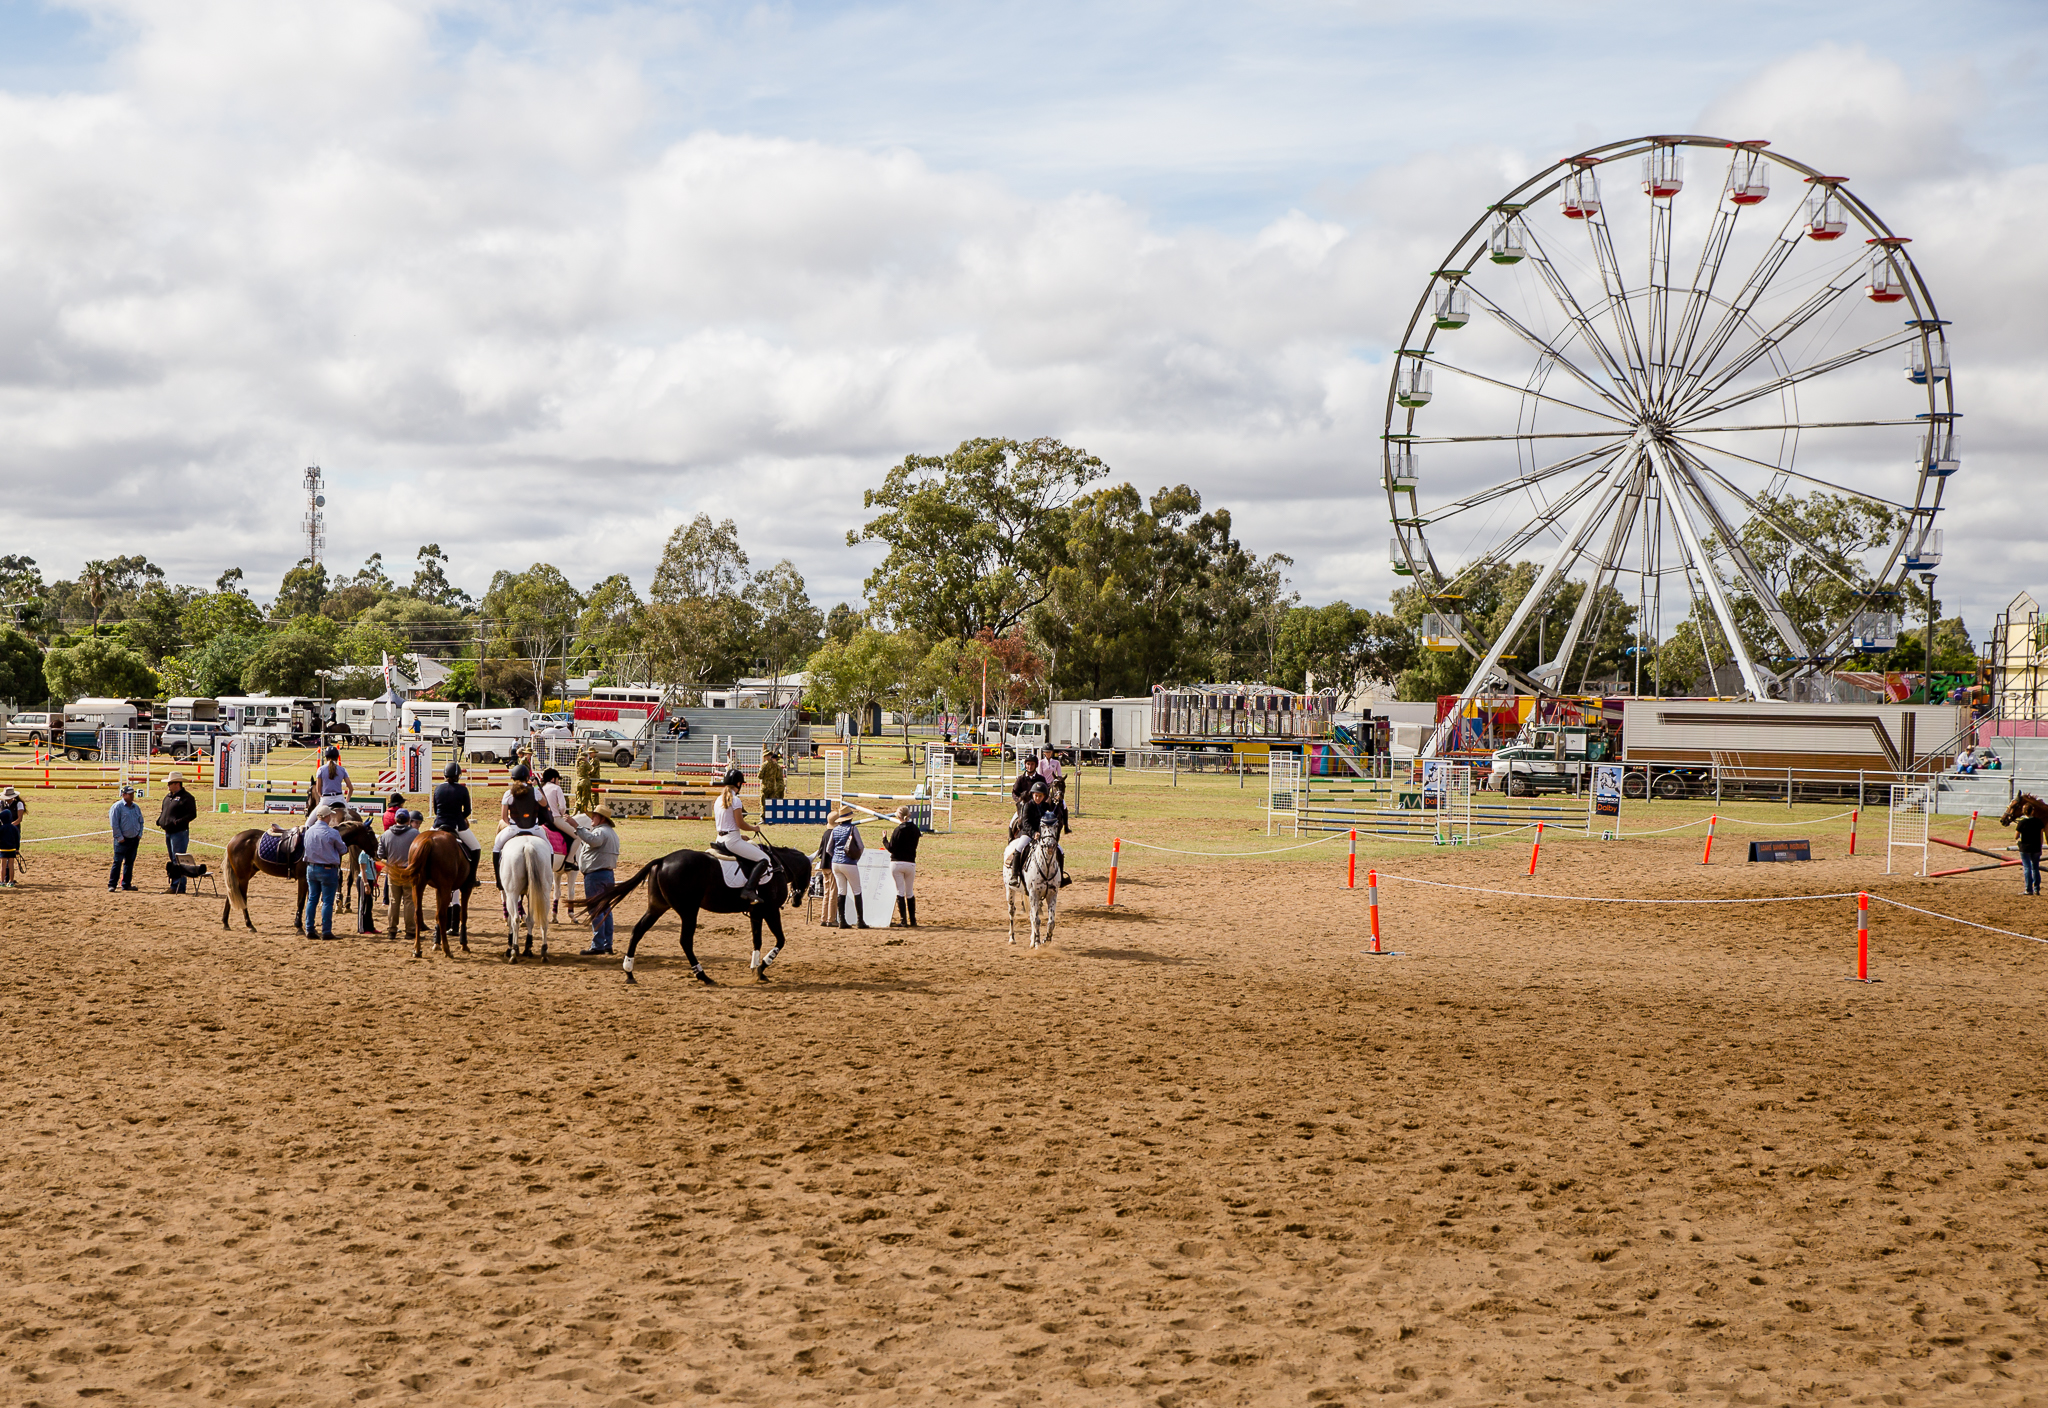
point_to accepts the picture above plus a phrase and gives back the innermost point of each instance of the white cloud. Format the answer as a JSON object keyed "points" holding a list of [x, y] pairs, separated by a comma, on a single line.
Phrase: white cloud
{"points": [[513, 313]]}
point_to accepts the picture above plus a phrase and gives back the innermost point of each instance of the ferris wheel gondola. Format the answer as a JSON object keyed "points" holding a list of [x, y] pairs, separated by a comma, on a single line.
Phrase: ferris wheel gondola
{"points": [[1639, 431]]}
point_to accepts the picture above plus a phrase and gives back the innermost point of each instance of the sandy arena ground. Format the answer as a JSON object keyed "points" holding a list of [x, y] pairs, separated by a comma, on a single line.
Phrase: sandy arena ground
{"points": [[1199, 1151]]}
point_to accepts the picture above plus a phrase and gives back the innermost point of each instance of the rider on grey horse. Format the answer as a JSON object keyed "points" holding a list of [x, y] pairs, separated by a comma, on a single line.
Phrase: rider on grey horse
{"points": [[1029, 819]]}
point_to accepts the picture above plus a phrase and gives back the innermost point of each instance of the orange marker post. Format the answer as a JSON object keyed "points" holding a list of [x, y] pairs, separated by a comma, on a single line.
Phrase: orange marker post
{"points": [[1853, 814], [1372, 900], [1863, 942], [1533, 850], [1351, 865], [1708, 857], [1971, 839], [1115, 849]]}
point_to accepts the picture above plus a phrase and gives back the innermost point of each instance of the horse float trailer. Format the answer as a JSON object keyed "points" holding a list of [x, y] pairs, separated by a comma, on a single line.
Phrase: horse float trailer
{"points": [[1696, 747], [497, 735], [364, 720]]}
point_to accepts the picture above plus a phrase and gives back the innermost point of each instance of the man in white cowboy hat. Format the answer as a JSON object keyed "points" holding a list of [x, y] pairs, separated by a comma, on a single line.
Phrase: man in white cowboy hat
{"points": [[598, 860], [124, 820], [174, 818]]}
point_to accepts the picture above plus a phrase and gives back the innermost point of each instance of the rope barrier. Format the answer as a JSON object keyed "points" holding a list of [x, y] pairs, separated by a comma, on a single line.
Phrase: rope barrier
{"points": [[2010, 933]]}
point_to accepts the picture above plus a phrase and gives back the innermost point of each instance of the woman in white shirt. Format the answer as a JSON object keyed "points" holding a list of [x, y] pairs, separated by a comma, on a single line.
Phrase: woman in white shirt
{"points": [[729, 819]]}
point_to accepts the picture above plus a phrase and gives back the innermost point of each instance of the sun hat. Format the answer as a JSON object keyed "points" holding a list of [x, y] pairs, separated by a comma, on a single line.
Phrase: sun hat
{"points": [[9, 794], [602, 812], [177, 777]]}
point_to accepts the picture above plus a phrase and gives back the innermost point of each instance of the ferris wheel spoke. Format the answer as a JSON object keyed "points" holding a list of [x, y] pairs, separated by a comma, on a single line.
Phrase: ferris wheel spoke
{"points": [[1754, 679], [1616, 287], [1551, 672], [1545, 519], [1835, 363], [1790, 472], [1612, 486], [1768, 517], [1703, 385], [1575, 313], [1738, 553], [1538, 395], [1799, 425], [1517, 484], [1708, 274], [1551, 351], [1524, 435]]}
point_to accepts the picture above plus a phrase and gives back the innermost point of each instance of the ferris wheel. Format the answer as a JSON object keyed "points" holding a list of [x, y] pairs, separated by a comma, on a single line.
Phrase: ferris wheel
{"points": [[1640, 424]]}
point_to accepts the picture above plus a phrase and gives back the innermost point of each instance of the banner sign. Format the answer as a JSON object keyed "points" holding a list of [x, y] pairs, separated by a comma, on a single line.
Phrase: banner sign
{"points": [[227, 763], [415, 765], [1606, 790]]}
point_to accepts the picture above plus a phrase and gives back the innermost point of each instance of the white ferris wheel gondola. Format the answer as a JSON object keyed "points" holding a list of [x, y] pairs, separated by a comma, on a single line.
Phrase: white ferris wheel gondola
{"points": [[1636, 428]]}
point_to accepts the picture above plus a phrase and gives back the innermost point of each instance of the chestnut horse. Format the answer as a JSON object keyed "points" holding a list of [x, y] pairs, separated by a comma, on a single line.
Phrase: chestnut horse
{"points": [[438, 862], [242, 862]]}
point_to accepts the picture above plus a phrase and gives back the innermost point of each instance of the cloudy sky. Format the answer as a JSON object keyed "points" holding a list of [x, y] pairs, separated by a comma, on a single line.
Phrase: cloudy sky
{"points": [[540, 281]]}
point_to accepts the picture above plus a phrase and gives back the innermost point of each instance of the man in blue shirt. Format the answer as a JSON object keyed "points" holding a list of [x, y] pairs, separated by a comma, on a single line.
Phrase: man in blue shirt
{"points": [[324, 850], [124, 819]]}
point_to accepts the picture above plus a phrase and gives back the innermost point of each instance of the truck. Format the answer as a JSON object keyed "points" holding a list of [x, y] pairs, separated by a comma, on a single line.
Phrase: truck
{"points": [[365, 720], [1023, 734], [84, 719], [1547, 759], [284, 718], [496, 735]]}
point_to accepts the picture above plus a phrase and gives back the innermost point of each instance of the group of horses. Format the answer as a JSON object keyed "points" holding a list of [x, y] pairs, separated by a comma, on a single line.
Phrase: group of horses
{"points": [[686, 881]]}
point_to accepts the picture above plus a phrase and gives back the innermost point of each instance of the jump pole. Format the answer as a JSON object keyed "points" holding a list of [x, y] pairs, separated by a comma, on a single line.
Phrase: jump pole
{"points": [[1351, 865], [1116, 847], [1970, 841], [1853, 814], [1372, 900], [1708, 856], [1862, 942], [1533, 850]]}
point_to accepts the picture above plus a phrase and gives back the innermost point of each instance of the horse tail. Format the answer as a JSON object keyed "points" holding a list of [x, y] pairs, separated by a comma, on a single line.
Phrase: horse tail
{"points": [[604, 903]]}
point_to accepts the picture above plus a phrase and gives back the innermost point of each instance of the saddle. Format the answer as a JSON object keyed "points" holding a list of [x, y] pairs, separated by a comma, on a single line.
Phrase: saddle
{"points": [[733, 870], [278, 846]]}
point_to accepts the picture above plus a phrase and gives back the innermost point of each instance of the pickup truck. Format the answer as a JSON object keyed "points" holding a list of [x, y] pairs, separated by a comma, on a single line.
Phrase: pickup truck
{"points": [[1549, 760]]}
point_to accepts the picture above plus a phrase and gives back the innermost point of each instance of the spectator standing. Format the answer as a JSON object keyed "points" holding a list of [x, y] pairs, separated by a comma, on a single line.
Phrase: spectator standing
{"points": [[902, 848], [2027, 831], [124, 819], [599, 861], [174, 818], [772, 784], [324, 849], [394, 848], [843, 846], [12, 810], [587, 778]]}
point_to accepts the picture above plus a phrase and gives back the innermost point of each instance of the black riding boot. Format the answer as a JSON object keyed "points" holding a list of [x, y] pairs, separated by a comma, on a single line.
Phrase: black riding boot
{"points": [[751, 891], [495, 855], [860, 918], [901, 917], [475, 859], [910, 906]]}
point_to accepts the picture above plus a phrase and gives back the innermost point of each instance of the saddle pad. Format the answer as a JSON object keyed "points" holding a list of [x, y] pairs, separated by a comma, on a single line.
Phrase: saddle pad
{"points": [[277, 847], [735, 878]]}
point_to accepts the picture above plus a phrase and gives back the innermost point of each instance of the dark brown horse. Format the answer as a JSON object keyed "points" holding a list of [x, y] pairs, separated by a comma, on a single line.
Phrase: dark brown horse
{"points": [[438, 862], [2026, 804], [690, 881], [242, 862]]}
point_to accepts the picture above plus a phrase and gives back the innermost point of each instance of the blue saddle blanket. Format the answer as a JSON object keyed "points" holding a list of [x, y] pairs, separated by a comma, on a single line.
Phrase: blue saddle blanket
{"points": [[276, 847]]}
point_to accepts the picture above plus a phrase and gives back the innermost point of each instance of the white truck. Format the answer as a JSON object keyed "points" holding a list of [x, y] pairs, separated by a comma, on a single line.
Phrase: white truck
{"points": [[1680, 747], [1116, 723], [364, 720], [496, 735], [1024, 734], [284, 718]]}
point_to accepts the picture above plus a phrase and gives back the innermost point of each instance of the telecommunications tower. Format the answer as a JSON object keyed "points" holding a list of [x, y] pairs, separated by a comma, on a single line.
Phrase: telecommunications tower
{"points": [[315, 522]]}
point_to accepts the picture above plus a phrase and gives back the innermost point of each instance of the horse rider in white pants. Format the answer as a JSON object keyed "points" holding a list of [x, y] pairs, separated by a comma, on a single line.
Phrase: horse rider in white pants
{"points": [[524, 812], [1035, 810], [451, 814], [729, 819]]}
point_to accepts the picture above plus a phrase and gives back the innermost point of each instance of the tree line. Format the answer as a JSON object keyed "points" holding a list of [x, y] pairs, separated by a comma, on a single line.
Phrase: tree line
{"points": [[1011, 572]]}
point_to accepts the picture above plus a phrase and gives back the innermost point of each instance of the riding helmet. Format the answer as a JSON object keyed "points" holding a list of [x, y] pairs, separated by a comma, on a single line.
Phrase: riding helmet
{"points": [[453, 772], [333, 754], [733, 778], [522, 773]]}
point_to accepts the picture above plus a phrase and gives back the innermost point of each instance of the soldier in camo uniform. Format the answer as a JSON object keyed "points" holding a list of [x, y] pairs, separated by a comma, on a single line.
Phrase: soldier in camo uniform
{"points": [[586, 779]]}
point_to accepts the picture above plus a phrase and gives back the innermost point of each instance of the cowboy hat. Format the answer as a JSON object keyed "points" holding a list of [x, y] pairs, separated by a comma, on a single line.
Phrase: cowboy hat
{"points": [[602, 813], [9, 794], [177, 777]]}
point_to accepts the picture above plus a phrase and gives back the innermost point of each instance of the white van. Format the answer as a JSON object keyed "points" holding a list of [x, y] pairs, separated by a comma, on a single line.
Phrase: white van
{"points": [[439, 719], [496, 735], [365, 720]]}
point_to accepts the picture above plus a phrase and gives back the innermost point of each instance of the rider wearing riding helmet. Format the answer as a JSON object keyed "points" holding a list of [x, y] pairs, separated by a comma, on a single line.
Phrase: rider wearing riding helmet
{"points": [[330, 783], [451, 814], [1040, 806], [729, 818], [523, 811]]}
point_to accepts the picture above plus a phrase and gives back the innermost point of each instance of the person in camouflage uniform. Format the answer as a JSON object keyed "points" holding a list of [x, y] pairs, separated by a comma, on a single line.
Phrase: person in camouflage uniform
{"points": [[771, 778], [587, 779]]}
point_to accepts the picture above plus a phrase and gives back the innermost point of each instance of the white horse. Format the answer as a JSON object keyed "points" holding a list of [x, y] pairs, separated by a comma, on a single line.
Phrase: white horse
{"points": [[526, 872], [1041, 883]]}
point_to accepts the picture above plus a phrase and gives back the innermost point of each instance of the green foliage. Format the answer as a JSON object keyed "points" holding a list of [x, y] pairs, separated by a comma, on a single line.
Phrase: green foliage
{"points": [[302, 591], [842, 622], [1838, 536], [427, 628], [97, 668], [610, 630], [533, 614], [973, 534], [219, 613], [1344, 648], [1491, 596], [314, 624], [21, 670], [24, 599], [155, 620], [872, 668], [213, 669], [430, 581], [700, 626], [286, 663], [787, 626]]}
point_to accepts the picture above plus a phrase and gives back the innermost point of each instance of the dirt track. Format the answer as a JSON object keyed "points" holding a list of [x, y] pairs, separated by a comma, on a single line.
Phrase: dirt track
{"points": [[1197, 1152]]}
